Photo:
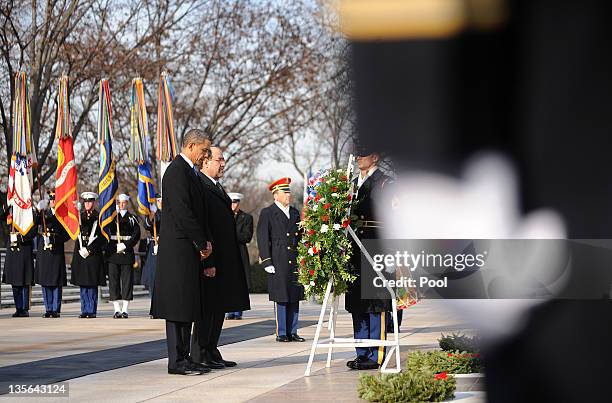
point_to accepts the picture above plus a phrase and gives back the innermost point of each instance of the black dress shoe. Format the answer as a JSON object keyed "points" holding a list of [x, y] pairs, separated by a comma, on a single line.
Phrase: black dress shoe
{"points": [[184, 371], [21, 313], [214, 364], [91, 315], [230, 317], [228, 364], [83, 315], [283, 339], [194, 366], [295, 337], [360, 358], [55, 314], [117, 315], [363, 365], [124, 315], [46, 315]]}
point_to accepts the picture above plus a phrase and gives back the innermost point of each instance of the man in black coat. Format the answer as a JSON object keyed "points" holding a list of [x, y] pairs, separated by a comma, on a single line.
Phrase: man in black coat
{"points": [[124, 233], [244, 234], [277, 239], [19, 266], [224, 287], [369, 315], [87, 266], [184, 241], [50, 269]]}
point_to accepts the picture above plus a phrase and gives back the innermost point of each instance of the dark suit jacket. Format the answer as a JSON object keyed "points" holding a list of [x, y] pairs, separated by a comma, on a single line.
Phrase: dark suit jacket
{"points": [[277, 239], [184, 232], [227, 291], [244, 233]]}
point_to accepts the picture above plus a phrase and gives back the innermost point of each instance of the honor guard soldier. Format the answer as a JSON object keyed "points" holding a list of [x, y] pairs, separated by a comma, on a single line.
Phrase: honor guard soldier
{"points": [[50, 270], [152, 224], [124, 234], [277, 238], [19, 265], [369, 315], [87, 268], [244, 233]]}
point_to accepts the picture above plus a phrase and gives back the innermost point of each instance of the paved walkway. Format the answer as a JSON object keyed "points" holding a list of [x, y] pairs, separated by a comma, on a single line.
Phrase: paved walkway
{"points": [[267, 371]]}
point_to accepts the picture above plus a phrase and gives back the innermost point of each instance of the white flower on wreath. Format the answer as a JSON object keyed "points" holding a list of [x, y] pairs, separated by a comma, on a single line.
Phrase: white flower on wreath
{"points": [[337, 226], [322, 199], [334, 194], [324, 228], [312, 283], [310, 251], [314, 207]]}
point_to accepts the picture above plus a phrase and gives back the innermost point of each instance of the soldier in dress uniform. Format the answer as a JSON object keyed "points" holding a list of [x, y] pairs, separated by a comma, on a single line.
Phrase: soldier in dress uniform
{"points": [[152, 224], [87, 260], [50, 270], [369, 315], [19, 266], [124, 233], [244, 234], [277, 239]]}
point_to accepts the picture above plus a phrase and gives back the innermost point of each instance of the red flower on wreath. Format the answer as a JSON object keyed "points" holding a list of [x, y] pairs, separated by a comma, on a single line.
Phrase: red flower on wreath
{"points": [[302, 262], [441, 375], [315, 250], [326, 206], [346, 223], [343, 177], [311, 232], [325, 218], [311, 272], [317, 198], [450, 354], [334, 189], [349, 197]]}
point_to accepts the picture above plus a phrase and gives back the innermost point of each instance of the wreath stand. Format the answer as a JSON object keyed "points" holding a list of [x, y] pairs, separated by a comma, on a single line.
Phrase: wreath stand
{"points": [[333, 341]]}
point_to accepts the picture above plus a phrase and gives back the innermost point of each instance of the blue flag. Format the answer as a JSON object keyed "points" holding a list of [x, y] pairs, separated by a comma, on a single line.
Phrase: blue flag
{"points": [[146, 189], [108, 186]]}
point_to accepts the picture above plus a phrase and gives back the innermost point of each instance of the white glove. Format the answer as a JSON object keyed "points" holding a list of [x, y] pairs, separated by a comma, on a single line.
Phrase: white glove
{"points": [[270, 269], [120, 247], [84, 253], [155, 249], [42, 205], [153, 208], [79, 206]]}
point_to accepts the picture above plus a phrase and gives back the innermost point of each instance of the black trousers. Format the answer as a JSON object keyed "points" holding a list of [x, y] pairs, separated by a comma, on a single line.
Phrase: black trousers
{"points": [[178, 335], [205, 337], [120, 281]]}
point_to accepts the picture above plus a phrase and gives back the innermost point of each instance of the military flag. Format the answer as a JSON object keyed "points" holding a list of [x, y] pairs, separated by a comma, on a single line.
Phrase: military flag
{"points": [[66, 175], [166, 140], [139, 149], [107, 185], [19, 192]]}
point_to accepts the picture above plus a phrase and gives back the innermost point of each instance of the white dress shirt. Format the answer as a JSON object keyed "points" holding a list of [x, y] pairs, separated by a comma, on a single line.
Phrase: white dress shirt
{"points": [[187, 159], [283, 208]]}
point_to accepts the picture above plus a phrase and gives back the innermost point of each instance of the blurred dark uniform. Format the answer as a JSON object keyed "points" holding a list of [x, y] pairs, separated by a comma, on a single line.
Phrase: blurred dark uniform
{"points": [[19, 267], [277, 239], [533, 82], [50, 270], [88, 272], [120, 265], [369, 315]]}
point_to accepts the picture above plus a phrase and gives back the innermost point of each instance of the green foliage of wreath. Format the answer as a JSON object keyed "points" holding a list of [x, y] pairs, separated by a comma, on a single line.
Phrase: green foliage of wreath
{"points": [[325, 251]]}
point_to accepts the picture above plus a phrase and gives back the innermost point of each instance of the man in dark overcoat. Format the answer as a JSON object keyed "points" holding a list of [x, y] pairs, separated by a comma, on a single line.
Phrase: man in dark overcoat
{"points": [[19, 265], [277, 239], [369, 315], [87, 268], [124, 232], [50, 269], [224, 287], [184, 241], [244, 234]]}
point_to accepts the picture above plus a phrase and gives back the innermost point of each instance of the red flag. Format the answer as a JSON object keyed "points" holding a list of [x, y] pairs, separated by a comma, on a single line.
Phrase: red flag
{"points": [[66, 176]]}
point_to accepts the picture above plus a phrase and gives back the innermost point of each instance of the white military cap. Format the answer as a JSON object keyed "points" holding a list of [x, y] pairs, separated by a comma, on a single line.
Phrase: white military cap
{"points": [[89, 196], [235, 196], [123, 197]]}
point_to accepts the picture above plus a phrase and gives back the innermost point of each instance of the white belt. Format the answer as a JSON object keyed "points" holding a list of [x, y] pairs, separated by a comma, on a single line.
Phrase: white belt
{"points": [[120, 238]]}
